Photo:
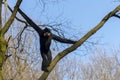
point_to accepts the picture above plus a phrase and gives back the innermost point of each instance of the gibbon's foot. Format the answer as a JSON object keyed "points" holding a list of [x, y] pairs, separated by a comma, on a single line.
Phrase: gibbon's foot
{"points": [[45, 69]]}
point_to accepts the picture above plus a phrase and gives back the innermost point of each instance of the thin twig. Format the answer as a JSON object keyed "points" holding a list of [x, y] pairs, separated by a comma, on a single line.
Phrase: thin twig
{"points": [[19, 36]]}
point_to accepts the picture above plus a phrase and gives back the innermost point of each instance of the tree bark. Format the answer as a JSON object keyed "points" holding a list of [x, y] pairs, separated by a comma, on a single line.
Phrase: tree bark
{"points": [[78, 43]]}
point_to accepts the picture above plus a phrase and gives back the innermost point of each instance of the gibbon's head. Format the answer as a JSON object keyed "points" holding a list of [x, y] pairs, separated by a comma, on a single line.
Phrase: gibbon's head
{"points": [[47, 32]]}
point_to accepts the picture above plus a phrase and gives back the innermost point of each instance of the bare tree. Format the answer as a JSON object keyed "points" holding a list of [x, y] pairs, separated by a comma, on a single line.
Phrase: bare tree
{"points": [[101, 66]]}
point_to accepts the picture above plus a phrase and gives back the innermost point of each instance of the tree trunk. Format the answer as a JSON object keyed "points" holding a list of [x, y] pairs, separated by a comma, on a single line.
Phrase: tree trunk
{"points": [[3, 45]]}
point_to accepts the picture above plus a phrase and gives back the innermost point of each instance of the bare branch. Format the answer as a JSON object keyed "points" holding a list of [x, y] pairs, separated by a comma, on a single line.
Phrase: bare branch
{"points": [[20, 35], [15, 16], [11, 19], [79, 43]]}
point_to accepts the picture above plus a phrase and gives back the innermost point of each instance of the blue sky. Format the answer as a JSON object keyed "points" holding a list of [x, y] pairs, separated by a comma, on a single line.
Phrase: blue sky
{"points": [[82, 14]]}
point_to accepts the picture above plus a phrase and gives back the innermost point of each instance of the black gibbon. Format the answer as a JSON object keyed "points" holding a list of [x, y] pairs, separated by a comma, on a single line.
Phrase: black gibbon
{"points": [[46, 37]]}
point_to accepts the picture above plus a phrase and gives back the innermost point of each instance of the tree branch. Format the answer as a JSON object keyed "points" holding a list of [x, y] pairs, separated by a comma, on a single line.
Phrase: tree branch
{"points": [[78, 43], [17, 17], [11, 19]]}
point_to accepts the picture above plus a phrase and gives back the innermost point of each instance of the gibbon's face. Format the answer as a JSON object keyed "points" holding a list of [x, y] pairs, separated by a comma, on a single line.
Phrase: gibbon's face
{"points": [[47, 32]]}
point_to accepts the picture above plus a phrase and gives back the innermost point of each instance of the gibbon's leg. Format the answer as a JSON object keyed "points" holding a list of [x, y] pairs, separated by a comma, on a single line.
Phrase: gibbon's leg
{"points": [[49, 56], [44, 62]]}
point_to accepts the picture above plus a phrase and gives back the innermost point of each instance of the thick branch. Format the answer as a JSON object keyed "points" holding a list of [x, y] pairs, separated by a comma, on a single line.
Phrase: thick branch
{"points": [[79, 43], [9, 22]]}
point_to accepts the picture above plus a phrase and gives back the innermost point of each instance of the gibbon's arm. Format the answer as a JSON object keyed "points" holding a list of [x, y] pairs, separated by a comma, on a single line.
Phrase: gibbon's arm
{"points": [[63, 40], [30, 21]]}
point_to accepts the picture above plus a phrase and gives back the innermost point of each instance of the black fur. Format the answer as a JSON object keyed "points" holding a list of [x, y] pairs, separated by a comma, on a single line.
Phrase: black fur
{"points": [[45, 41]]}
